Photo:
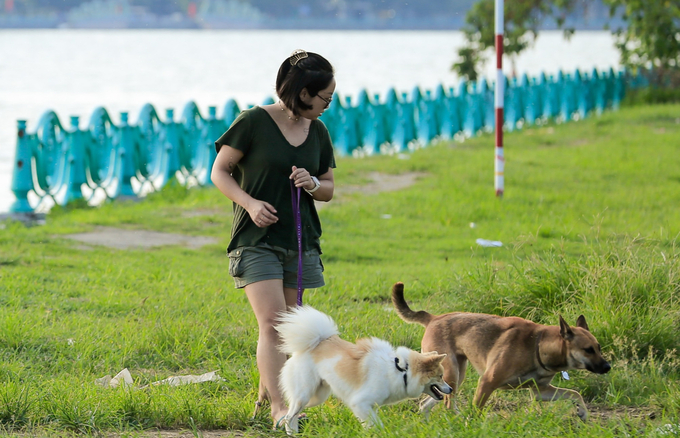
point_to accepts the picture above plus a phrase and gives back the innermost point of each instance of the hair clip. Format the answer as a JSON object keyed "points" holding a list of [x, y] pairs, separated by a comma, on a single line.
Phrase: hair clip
{"points": [[296, 56]]}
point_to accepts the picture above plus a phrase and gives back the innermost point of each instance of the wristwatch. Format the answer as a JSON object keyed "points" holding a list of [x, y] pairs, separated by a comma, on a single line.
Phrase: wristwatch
{"points": [[317, 184]]}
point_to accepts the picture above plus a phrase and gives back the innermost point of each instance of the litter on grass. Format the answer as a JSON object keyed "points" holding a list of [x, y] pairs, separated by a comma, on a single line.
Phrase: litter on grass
{"points": [[121, 379], [489, 243], [668, 429], [185, 380], [124, 378]]}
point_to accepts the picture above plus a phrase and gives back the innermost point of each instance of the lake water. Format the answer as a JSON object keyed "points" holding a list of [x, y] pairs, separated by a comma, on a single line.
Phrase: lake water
{"points": [[74, 71]]}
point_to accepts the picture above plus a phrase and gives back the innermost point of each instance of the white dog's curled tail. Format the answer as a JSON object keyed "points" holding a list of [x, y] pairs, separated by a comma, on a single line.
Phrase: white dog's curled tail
{"points": [[303, 328]]}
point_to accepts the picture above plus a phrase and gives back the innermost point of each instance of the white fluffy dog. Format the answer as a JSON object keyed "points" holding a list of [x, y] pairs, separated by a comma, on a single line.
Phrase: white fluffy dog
{"points": [[364, 375]]}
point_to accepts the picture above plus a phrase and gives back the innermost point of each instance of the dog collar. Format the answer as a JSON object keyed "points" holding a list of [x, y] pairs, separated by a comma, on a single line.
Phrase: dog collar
{"points": [[538, 353], [402, 370]]}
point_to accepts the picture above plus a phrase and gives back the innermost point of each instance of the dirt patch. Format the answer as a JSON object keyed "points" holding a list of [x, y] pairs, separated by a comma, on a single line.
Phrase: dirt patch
{"points": [[605, 413], [201, 213], [379, 182], [131, 239], [140, 239]]}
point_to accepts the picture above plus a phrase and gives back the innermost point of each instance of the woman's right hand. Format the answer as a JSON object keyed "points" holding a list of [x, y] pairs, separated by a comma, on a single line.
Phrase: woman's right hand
{"points": [[262, 213]]}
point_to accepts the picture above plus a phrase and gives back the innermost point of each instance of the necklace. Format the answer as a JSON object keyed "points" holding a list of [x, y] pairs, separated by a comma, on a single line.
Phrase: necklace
{"points": [[295, 119]]}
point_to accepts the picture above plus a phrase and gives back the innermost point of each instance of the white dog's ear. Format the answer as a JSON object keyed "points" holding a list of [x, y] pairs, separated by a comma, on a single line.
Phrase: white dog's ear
{"points": [[429, 362], [433, 355]]}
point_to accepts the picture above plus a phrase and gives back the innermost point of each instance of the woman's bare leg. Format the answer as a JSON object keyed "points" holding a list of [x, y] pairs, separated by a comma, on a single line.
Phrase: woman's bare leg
{"points": [[268, 299]]}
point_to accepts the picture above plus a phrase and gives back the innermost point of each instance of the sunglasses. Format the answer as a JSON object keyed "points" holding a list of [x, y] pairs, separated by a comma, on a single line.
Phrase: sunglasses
{"points": [[328, 101]]}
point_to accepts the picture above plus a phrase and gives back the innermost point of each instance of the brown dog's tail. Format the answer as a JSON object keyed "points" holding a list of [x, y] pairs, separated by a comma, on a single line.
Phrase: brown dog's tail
{"points": [[421, 317]]}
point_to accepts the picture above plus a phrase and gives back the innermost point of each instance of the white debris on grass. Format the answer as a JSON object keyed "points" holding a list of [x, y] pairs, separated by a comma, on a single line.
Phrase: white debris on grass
{"points": [[124, 378], [489, 243], [184, 380], [668, 429]]}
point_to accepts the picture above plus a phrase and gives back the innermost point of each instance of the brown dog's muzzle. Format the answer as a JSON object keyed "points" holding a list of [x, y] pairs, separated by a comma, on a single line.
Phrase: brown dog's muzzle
{"points": [[601, 368]]}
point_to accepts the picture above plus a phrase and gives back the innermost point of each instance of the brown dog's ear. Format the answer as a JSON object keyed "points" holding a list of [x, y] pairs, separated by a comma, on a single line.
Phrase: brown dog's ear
{"points": [[581, 322], [565, 331]]}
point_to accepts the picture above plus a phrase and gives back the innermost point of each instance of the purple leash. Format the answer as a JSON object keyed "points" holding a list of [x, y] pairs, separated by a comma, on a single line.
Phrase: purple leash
{"points": [[298, 226]]}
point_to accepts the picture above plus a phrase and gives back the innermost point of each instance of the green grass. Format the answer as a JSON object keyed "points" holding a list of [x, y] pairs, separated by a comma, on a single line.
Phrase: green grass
{"points": [[589, 223]]}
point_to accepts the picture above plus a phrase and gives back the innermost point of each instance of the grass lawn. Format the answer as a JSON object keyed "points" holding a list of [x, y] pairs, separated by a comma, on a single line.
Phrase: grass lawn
{"points": [[589, 223]]}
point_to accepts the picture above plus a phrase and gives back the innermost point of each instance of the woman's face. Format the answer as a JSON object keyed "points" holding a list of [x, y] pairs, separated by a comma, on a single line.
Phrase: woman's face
{"points": [[319, 103]]}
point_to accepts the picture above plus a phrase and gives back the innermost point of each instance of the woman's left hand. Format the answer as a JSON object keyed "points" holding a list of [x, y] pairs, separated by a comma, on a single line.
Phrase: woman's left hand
{"points": [[302, 178]]}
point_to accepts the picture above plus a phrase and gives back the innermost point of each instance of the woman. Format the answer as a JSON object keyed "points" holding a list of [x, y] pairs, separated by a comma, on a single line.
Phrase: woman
{"points": [[265, 150]]}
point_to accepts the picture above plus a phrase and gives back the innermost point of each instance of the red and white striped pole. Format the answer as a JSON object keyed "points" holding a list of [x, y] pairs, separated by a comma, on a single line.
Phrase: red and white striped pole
{"points": [[499, 161]]}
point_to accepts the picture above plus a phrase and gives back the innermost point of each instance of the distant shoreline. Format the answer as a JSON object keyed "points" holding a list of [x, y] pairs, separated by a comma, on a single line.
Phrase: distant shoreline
{"points": [[220, 23]]}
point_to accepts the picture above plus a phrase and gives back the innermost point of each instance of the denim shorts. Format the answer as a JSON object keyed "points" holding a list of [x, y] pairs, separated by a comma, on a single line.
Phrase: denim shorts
{"points": [[250, 264]]}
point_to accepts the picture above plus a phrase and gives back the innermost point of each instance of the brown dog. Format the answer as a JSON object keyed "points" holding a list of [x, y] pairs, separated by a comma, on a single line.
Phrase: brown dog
{"points": [[507, 352]]}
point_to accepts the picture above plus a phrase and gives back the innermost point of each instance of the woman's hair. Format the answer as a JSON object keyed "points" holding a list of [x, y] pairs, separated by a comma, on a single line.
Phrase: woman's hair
{"points": [[302, 70]]}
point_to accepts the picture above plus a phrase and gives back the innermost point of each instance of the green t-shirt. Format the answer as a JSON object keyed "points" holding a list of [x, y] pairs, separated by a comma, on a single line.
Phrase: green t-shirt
{"points": [[263, 173]]}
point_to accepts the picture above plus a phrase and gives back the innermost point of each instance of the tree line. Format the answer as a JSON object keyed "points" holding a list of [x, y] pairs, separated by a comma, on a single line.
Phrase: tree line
{"points": [[648, 40]]}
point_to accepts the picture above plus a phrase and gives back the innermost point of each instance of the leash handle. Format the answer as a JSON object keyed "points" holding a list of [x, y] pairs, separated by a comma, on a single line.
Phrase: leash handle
{"points": [[295, 196]]}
